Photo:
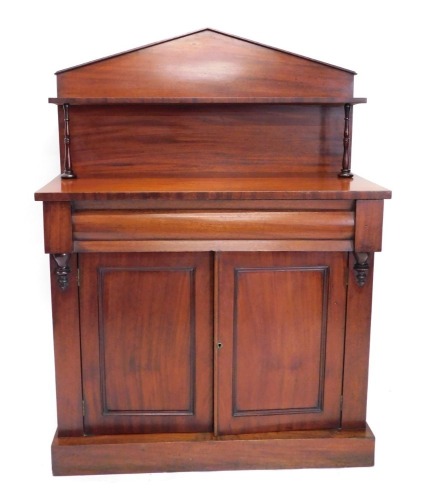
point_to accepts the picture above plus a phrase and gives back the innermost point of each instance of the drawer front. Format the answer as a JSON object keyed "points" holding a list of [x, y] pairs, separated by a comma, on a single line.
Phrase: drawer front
{"points": [[117, 225]]}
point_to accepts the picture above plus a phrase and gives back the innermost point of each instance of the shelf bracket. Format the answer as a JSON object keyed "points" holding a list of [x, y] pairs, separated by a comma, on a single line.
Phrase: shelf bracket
{"points": [[62, 270], [67, 165], [345, 171], [361, 268]]}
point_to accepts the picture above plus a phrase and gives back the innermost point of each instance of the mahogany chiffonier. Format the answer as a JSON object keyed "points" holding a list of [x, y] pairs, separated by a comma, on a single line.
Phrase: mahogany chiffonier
{"points": [[211, 262]]}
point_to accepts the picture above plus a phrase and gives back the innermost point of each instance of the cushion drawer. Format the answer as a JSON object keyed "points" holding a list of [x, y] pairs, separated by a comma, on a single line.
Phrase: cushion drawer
{"points": [[206, 225]]}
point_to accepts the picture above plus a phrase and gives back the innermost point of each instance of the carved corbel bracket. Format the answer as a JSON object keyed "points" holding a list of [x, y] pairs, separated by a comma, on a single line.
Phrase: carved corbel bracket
{"points": [[361, 268], [62, 270]]}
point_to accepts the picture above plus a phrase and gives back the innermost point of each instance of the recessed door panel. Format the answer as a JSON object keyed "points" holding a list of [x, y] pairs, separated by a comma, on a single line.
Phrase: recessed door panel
{"points": [[280, 341], [147, 342]]}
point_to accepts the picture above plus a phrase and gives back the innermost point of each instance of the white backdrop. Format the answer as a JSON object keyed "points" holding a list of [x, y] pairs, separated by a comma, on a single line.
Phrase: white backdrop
{"points": [[386, 43]]}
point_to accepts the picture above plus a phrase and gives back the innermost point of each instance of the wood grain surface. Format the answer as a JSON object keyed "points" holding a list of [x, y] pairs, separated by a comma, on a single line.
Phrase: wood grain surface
{"points": [[206, 64], [203, 188]]}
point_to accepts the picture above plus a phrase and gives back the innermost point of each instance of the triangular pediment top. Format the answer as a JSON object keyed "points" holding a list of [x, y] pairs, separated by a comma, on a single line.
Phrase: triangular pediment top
{"points": [[119, 54], [205, 63]]}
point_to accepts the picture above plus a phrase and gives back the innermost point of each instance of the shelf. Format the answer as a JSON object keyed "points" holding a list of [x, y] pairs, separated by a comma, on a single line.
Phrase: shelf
{"points": [[94, 101], [329, 187]]}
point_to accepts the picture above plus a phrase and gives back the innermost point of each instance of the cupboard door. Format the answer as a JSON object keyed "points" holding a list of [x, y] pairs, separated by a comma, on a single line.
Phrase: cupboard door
{"points": [[280, 341], [147, 342]]}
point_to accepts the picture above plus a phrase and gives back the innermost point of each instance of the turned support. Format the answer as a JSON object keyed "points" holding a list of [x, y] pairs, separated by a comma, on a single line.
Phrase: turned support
{"points": [[345, 170], [67, 165]]}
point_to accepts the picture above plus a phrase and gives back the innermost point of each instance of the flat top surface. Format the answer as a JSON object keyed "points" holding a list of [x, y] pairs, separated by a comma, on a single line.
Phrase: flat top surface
{"points": [[329, 187]]}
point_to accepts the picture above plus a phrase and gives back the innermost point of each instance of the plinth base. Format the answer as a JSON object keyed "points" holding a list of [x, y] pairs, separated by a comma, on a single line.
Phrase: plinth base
{"points": [[126, 454]]}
